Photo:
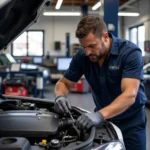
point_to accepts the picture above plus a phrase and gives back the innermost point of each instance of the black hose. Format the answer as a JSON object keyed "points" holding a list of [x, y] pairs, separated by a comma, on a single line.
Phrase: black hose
{"points": [[65, 123], [68, 122], [83, 144]]}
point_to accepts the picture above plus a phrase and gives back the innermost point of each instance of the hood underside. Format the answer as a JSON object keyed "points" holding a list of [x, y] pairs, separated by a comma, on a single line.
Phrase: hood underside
{"points": [[18, 15]]}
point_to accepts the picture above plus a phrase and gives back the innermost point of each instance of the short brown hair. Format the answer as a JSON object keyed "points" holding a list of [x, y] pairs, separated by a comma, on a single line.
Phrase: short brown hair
{"points": [[90, 24]]}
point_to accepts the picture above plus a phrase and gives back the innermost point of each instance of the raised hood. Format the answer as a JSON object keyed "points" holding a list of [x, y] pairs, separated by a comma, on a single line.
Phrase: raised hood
{"points": [[18, 15]]}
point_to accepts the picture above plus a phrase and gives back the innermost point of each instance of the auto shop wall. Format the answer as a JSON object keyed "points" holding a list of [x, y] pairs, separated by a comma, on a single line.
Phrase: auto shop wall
{"points": [[143, 6], [55, 30]]}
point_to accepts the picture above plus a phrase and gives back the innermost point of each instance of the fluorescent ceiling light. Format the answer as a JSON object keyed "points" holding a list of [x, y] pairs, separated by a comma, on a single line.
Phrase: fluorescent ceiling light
{"points": [[96, 6], [134, 14], [79, 13], [62, 14], [59, 2]]}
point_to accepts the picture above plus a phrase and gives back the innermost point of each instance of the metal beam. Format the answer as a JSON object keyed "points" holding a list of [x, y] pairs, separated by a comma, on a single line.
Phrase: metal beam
{"points": [[75, 2], [125, 5]]}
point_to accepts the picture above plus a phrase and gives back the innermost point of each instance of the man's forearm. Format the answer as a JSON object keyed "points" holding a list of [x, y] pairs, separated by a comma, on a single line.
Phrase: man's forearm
{"points": [[119, 105], [61, 89]]}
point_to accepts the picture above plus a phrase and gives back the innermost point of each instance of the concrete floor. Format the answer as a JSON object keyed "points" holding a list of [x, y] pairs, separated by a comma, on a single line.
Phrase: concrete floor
{"points": [[86, 101]]}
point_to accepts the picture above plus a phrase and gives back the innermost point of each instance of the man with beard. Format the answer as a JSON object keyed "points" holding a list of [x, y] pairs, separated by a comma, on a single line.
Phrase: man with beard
{"points": [[114, 69]]}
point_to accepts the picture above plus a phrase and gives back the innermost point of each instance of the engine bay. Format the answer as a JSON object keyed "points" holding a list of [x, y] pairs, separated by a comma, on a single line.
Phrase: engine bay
{"points": [[32, 124], [29, 123]]}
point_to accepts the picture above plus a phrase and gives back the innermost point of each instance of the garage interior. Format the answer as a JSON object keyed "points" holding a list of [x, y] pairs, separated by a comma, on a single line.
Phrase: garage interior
{"points": [[50, 43]]}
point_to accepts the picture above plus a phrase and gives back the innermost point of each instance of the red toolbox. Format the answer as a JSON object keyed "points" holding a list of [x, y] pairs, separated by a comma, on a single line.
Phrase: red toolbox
{"points": [[81, 86]]}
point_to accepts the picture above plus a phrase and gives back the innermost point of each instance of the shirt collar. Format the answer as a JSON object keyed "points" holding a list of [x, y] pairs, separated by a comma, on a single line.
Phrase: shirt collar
{"points": [[114, 46]]}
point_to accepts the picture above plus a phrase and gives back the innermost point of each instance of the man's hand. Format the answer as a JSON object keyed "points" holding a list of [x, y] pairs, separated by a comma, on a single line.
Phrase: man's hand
{"points": [[61, 105], [87, 120]]}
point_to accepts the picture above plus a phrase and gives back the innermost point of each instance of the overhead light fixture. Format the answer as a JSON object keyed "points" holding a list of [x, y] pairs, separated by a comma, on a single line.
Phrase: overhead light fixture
{"points": [[62, 14], [58, 5], [134, 14], [96, 6], [131, 14]]}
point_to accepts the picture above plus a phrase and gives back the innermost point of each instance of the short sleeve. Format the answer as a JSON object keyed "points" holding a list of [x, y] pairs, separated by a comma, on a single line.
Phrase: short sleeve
{"points": [[133, 65], [75, 70]]}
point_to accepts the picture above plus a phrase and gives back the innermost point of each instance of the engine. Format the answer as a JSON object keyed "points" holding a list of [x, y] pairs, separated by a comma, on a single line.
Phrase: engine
{"points": [[28, 123], [34, 125]]}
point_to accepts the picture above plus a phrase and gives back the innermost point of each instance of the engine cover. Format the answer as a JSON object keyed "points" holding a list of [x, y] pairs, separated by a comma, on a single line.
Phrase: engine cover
{"points": [[28, 123]]}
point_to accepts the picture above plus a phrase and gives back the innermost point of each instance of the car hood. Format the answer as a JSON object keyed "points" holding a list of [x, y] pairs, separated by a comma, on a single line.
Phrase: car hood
{"points": [[18, 15]]}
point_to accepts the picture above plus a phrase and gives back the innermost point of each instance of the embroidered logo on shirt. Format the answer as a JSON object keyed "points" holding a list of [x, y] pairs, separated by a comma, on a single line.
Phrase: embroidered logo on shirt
{"points": [[113, 67]]}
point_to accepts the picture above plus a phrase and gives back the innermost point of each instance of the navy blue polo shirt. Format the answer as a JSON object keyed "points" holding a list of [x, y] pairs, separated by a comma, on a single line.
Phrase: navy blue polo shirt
{"points": [[123, 61]]}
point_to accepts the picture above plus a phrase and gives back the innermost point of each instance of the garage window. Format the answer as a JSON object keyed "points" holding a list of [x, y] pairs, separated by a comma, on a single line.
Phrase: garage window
{"points": [[137, 36], [30, 43]]}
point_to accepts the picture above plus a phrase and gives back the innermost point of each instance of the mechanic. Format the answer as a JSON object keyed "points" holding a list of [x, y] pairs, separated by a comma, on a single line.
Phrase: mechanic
{"points": [[114, 69]]}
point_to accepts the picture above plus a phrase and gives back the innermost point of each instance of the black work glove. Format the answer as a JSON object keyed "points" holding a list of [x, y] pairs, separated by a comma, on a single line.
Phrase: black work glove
{"points": [[87, 120], [61, 105]]}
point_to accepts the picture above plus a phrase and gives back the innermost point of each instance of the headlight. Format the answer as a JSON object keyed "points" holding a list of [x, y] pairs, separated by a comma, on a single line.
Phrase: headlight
{"points": [[111, 146], [115, 146]]}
